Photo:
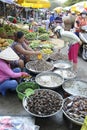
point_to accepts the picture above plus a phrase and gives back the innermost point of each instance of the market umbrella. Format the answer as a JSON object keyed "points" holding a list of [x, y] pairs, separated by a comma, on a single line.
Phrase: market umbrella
{"points": [[58, 9], [35, 3], [78, 7]]}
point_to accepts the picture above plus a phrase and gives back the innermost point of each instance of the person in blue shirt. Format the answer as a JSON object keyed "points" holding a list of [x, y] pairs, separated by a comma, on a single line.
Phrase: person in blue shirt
{"points": [[52, 18]]}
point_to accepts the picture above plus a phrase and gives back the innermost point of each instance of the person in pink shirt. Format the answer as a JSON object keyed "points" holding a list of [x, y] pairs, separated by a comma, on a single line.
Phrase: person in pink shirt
{"points": [[7, 75]]}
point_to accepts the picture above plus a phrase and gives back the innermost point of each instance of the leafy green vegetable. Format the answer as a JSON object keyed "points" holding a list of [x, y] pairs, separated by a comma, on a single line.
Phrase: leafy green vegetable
{"points": [[50, 46], [31, 36], [10, 41], [42, 30], [44, 36], [35, 44], [29, 92]]}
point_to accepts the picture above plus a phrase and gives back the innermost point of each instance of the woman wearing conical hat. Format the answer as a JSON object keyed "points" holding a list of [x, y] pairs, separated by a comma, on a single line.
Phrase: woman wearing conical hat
{"points": [[7, 75]]}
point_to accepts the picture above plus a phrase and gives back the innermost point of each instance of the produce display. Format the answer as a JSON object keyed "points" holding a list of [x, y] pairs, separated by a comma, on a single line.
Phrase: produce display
{"points": [[47, 51], [43, 37], [10, 41], [76, 108], [58, 56], [42, 30], [50, 46], [43, 103], [3, 43], [35, 44], [49, 80], [3, 32], [9, 29], [39, 66], [31, 36]]}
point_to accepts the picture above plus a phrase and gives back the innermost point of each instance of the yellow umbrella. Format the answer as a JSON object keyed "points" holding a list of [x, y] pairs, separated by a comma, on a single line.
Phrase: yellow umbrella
{"points": [[79, 7], [35, 3], [58, 9]]}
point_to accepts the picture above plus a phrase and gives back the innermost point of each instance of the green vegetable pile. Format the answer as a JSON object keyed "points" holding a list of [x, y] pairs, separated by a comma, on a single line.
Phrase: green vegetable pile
{"points": [[34, 44], [44, 37], [31, 36], [2, 32], [10, 41], [50, 46], [42, 30], [9, 29]]}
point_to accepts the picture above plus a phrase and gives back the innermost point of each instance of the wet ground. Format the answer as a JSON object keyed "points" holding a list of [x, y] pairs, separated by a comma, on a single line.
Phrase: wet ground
{"points": [[11, 105]]}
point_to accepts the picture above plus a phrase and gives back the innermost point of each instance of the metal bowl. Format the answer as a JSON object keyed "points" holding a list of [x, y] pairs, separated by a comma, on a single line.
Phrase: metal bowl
{"points": [[62, 64], [66, 102], [58, 56], [42, 116], [35, 71], [75, 87], [49, 80], [66, 74]]}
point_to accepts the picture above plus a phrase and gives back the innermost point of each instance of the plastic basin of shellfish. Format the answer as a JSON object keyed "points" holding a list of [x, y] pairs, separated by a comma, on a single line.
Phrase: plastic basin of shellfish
{"points": [[25, 103]]}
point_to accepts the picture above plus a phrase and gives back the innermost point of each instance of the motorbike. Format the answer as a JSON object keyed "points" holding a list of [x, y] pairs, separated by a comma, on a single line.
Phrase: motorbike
{"points": [[83, 47]]}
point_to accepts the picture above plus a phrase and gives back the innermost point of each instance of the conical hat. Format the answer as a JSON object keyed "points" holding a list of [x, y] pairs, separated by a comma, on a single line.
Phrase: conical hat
{"points": [[9, 55]]}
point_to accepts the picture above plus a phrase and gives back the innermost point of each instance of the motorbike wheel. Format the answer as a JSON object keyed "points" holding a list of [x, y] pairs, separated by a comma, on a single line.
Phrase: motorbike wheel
{"points": [[84, 54]]}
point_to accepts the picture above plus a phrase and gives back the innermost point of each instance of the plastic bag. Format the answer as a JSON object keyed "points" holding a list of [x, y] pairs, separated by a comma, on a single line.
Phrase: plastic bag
{"points": [[29, 127], [17, 123]]}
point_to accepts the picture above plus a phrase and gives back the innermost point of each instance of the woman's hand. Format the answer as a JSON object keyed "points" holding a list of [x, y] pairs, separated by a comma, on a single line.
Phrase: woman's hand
{"points": [[37, 52], [24, 74]]}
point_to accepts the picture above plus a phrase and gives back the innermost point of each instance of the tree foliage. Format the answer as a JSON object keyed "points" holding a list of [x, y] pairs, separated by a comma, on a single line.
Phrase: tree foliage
{"points": [[71, 2], [54, 4]]}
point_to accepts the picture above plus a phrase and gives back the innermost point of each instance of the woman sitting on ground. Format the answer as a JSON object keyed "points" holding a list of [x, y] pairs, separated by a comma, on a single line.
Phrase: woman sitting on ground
{"points": [[7, 75]]}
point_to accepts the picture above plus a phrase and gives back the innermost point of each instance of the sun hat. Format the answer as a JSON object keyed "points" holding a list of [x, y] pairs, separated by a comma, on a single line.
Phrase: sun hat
{"points": [[9, 55], [83, 12]]}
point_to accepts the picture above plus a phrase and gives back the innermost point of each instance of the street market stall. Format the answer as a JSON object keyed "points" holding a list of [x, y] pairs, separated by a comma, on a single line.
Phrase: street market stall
{"points": [[50, 70]]}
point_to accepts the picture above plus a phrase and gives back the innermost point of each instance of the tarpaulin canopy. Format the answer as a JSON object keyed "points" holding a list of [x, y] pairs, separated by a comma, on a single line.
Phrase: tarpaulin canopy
{"points": [[8, 1]]}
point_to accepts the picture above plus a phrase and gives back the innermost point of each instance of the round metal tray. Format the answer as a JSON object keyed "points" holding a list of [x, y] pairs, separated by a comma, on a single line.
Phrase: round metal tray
{"points": [[35, 115], [71, 119], [75, 87], [66, 74], [58, 56], [28, 67], [61, 64], [46, 79]]}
